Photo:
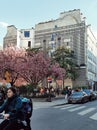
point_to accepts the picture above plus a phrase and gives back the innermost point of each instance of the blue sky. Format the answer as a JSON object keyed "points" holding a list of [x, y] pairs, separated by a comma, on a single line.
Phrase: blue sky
{"points": [[26, 13]]}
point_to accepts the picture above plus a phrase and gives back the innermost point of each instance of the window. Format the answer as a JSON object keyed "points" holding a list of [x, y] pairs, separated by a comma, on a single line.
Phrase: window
{"points": [[59, 38], [56, 26], [52, 37], [67, 43], [26, 33], [29, 44]]}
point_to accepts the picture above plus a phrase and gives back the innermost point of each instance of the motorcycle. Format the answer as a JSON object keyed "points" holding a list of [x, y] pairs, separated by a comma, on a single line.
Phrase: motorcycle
{"points": [[20, 125]]}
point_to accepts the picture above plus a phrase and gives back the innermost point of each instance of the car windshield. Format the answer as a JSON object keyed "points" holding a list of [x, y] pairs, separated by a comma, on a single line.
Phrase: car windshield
{"points": [[87, 91], [77, 94]]}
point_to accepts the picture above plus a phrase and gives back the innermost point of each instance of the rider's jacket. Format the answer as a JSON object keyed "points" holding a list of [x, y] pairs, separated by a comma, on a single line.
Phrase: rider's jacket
{"points": [[13, 107]]}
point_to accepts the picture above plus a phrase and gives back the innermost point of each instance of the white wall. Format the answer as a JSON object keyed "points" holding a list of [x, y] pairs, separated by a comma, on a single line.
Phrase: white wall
{"points": [[24, 40]]}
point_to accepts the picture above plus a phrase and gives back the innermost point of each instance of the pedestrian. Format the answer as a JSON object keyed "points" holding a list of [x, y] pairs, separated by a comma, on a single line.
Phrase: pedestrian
{"points": [[66, 91], [11, 108]]}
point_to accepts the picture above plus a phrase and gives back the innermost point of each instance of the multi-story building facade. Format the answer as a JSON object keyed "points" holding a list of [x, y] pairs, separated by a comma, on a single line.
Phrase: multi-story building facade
{"points": [[27, 38], [23, 38], [11, 36], [70, 30], [91, 56]]}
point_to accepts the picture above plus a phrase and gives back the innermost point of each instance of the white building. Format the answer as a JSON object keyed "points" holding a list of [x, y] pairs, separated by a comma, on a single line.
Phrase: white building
{"points": [[23, 38], [91, 56], [27, 38], [71, 30]]}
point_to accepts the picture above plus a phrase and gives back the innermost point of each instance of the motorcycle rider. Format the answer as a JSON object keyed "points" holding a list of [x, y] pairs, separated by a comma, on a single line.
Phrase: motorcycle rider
{"points": [[11, 108]]}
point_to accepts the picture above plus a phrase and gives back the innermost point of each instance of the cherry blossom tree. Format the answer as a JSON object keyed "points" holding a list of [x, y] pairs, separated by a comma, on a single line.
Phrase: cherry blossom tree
{"points": [[57, 71], [35, 68], [42, 67], [32, 67], [10, 58]]}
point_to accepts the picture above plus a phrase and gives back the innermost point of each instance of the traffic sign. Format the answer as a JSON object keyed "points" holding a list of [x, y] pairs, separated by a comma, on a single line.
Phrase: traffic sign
{"points": [[49, 80]]}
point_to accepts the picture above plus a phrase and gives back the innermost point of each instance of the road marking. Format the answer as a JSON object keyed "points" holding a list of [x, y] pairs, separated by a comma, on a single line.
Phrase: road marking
{"points": [[94, 117], [86, 111], [62, 106], [69, 107], [35, 108], [78, 108], [39, 107]]}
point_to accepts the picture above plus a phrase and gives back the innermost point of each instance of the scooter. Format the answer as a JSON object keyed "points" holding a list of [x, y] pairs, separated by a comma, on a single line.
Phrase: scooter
{"points": [[20, 125]]}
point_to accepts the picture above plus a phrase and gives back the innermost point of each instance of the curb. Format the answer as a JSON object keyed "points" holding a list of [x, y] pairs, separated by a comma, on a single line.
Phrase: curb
{"points": [[60, 104], [44, 99]]}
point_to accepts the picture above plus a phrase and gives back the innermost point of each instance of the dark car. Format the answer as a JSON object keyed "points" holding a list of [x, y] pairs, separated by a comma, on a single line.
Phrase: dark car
{"points": [[90, 94], [78, 97], [95, 93]]}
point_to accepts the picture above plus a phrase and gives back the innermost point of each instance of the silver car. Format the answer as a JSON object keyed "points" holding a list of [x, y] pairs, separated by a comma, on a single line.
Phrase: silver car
{"points": [[78, 97]]}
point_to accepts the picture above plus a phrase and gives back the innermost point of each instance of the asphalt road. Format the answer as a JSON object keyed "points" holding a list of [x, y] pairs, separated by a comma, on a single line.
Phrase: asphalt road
{"points": [[65, 117]]}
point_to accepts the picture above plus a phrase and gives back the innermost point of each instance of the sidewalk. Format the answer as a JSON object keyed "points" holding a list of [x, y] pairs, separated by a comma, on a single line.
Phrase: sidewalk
{"points": [[53, 98], [58, 100]]}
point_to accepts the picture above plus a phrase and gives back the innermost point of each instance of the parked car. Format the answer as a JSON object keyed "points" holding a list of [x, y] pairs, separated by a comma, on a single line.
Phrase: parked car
{"points": [[90, 93], [78, 97], [95, 93]]}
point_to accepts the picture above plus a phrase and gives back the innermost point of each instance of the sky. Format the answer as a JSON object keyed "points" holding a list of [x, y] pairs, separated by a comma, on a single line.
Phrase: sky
{"points": [[24, 14]]}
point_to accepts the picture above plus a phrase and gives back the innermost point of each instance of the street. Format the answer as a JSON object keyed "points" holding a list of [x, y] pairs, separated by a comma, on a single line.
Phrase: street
{"points": [[65, 117]]}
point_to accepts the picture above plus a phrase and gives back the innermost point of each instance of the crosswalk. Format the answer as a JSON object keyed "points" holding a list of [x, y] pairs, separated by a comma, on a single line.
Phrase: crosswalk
{"points": [[86, 111], [81, 110]]}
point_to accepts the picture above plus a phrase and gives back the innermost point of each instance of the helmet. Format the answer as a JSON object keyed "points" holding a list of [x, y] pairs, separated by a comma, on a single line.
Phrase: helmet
{"points": [[25, 100]]}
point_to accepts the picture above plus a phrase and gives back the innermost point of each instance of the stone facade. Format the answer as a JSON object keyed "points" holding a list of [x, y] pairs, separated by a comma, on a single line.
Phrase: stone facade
{"points": [[69, 30], [23, 38], [81, 80], [11, 37]]}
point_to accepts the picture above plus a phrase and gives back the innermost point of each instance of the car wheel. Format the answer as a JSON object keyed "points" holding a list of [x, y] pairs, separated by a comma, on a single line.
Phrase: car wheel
{"points": [[83, 101]]}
